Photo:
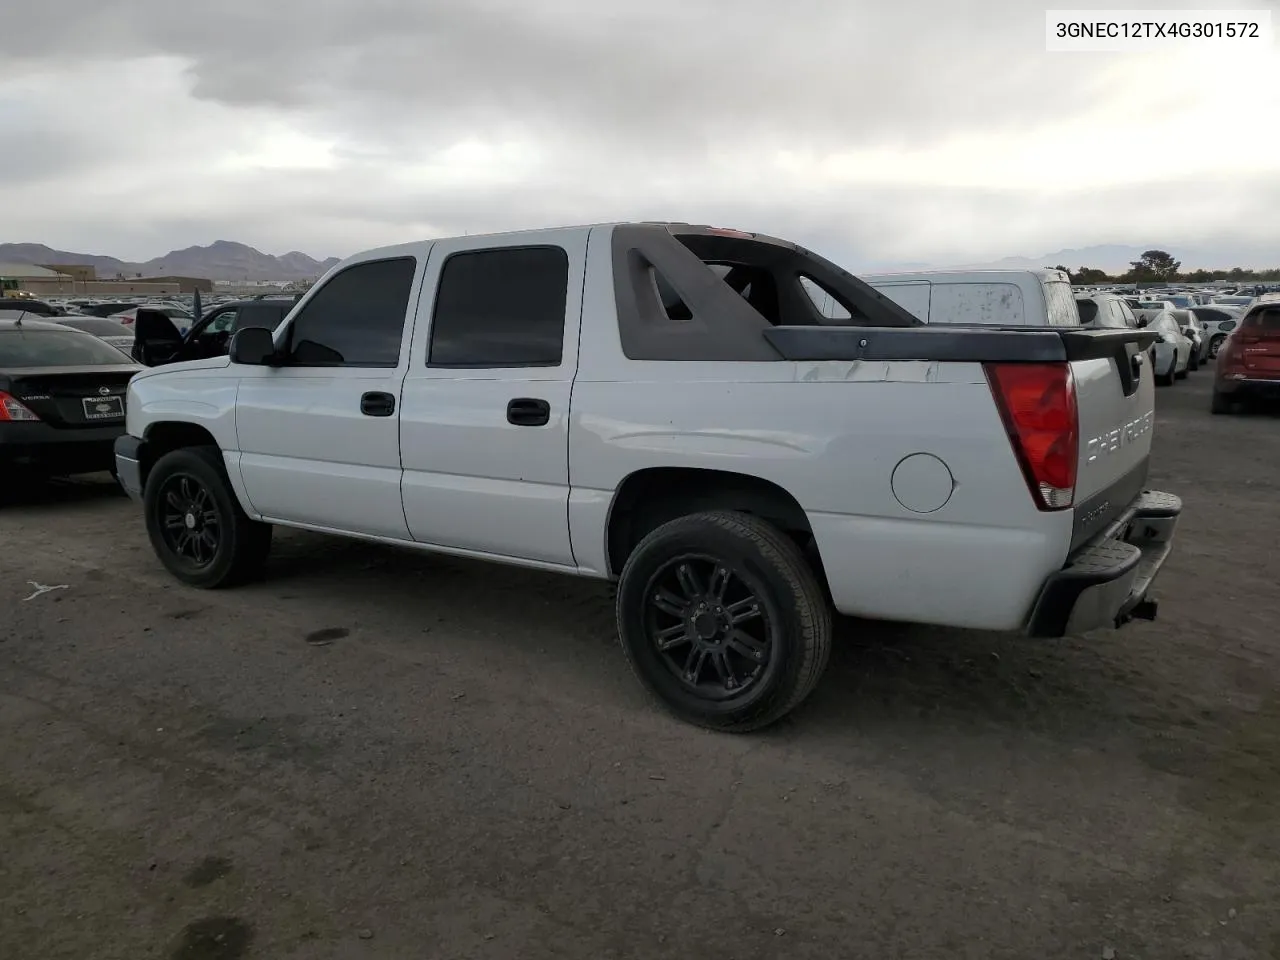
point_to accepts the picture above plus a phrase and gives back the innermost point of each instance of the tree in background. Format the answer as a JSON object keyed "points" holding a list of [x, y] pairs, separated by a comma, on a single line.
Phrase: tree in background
{"points": [[1154, 266], [1089, 276]]}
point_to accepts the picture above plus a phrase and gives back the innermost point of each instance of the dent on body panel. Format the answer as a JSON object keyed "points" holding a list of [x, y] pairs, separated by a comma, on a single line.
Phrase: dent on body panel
{"points": [[882, 371]]}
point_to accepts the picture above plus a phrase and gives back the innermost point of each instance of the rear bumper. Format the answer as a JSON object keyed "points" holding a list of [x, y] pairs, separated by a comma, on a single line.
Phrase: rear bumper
{"points": [[1105, 583], [39, 446], [128, 457], [1252, 387]]}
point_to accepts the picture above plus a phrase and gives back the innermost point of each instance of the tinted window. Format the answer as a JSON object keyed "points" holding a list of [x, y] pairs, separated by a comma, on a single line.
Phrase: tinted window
{"points": [[1268, 320], [1088, 310], [503, 308], [356, 319], [221, 322], [56, 348]]}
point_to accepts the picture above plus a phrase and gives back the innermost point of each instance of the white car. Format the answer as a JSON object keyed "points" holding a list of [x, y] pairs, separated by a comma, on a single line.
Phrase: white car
{"points": [[1194, 331], [601, 402], [1106, 310], [1171, 354], [1218, 321]]}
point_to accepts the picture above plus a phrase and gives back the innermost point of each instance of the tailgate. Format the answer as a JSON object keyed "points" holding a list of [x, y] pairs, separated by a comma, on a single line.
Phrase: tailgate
{"points": [[1259, 339], [1115, 399]]}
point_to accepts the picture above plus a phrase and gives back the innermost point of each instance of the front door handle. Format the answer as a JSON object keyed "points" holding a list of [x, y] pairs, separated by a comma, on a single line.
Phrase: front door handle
{"points": [[528, 412], [377, 404]]}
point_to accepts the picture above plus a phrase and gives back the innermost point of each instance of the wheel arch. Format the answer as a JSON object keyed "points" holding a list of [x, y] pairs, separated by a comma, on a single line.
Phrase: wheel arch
{"points": [[168, 435], [651, 497]]}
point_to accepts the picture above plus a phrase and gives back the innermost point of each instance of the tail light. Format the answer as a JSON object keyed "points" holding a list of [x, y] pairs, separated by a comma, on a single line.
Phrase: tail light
{"points": [[1037, 402], [12, 410], [1231, 356]]}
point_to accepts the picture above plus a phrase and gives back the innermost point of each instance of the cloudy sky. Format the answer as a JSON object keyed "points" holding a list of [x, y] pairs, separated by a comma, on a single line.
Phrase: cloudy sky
{"points": [[877, 133]]}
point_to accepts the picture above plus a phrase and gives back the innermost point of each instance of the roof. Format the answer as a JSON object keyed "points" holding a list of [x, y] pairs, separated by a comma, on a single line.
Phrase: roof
{"points": [[963, 276], [28, 271]]}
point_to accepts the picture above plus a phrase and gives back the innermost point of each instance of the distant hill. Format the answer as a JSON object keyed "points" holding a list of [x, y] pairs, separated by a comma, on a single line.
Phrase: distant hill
{"points": [[221, 260], [1115, 258]]}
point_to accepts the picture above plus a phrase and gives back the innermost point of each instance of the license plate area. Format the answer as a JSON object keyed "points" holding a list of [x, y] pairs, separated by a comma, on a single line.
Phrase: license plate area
{"points": [[103, 408]]}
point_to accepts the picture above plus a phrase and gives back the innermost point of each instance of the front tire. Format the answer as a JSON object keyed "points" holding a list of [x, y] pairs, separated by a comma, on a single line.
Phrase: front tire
{"points": [[723, 620], [195, 522]]}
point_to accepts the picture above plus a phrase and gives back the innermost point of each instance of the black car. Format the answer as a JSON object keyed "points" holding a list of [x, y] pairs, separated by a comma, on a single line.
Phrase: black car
{"points": [[62, 396], [37, 308], [157, 341]]}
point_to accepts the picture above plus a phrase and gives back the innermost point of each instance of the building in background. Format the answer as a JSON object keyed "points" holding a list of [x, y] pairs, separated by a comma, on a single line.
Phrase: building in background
{"points": [[82, 280]]}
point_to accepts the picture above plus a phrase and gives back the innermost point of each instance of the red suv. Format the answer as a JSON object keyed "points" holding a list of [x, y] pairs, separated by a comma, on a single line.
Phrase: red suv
{"points": [[1249, 362]]}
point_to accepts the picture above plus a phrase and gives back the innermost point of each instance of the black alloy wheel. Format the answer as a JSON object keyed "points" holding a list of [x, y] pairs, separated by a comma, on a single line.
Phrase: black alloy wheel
{"points": [[712, 629], [197, 527], [189, 520], [723, 619]]}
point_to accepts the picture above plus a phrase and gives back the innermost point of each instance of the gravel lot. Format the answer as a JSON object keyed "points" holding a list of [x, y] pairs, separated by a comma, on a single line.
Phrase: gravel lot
{"points": [[378, 754]]}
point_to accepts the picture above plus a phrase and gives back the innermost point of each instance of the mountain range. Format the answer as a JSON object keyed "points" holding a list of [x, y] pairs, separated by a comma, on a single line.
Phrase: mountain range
{"points": [[221, 260], [1116, 258], [227, 260]]}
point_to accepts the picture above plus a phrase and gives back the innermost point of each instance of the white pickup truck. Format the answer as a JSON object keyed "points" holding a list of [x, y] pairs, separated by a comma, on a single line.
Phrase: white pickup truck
{"points": [[664, 405]]}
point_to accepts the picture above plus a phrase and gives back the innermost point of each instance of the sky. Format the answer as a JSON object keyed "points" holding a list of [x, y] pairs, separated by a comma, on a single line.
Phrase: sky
{"points": [[877, 134]]}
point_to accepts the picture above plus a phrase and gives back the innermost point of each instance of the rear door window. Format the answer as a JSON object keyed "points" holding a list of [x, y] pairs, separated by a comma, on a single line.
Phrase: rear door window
{"points": [[505, 307]]}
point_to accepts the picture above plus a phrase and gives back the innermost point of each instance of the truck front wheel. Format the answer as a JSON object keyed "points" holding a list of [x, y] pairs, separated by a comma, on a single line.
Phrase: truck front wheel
{"points": [[195, 523], [723, 620]]}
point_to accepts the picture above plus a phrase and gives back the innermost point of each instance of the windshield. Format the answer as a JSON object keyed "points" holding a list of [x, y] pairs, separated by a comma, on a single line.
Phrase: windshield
{"points": [[56, 348], [99, 328]]}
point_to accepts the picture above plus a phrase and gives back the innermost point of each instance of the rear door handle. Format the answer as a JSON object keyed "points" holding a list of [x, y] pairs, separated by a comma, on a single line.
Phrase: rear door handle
{"points": [[377, 404], [528, 412]]}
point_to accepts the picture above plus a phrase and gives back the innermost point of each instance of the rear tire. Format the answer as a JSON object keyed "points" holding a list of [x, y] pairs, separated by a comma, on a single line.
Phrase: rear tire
{"points": [[723, 620], [1164, 379], [1214, 346], [1221, 403], [195, 522]]}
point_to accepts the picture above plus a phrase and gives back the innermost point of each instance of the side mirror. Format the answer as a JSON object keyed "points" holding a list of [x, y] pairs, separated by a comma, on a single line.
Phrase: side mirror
{"points": [[253, 346]]}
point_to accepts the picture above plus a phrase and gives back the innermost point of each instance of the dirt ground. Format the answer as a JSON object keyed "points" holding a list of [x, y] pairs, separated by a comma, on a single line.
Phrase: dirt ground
{"points": [[378, 754]]}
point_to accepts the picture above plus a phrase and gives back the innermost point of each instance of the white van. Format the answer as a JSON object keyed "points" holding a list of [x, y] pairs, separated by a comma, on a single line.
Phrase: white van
{"points": [[1017, 298]]}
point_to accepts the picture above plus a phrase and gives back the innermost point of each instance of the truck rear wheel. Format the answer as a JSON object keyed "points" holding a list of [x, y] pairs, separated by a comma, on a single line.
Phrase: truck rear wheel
{"points": [[723, 620], [195, 522]]}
